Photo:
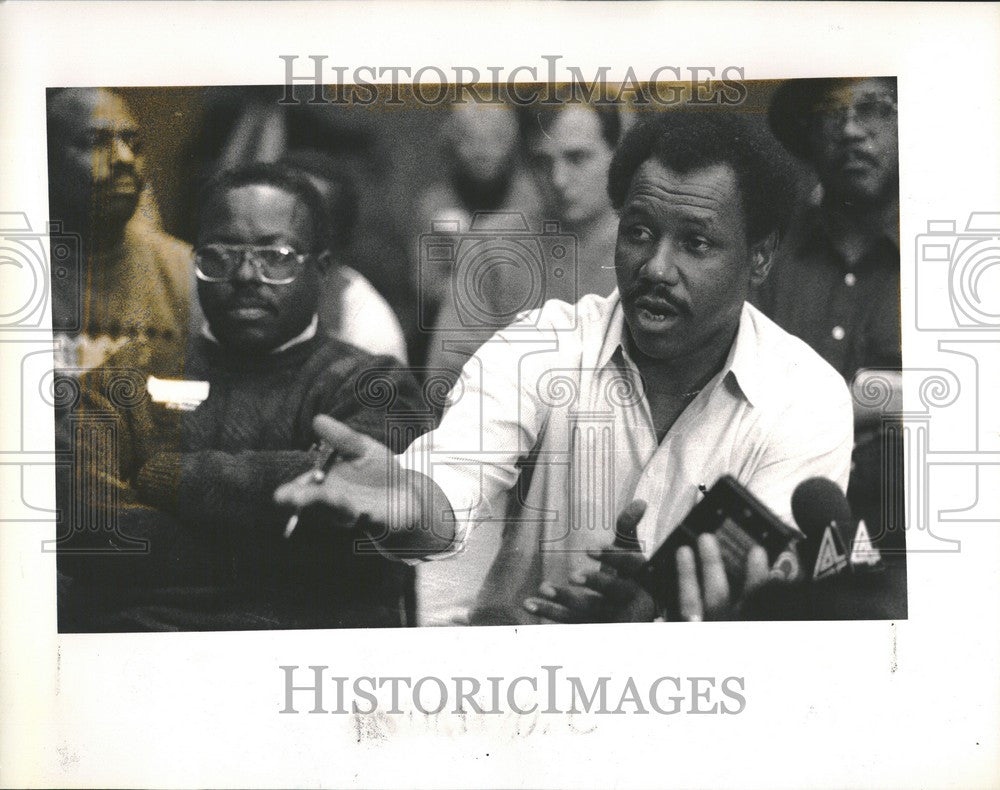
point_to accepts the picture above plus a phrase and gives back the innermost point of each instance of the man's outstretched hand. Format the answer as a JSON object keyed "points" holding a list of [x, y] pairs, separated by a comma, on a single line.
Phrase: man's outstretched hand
{"points": [[364, 486], [355, 485]]}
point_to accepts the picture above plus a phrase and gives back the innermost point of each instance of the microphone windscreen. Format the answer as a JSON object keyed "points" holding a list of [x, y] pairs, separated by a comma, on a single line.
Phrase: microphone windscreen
{"points": [[818, 502]]}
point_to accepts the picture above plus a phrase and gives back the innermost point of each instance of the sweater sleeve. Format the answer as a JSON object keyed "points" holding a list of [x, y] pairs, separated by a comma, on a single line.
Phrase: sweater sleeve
{"points": [[106, 533], [219, 491], [232, 492]]}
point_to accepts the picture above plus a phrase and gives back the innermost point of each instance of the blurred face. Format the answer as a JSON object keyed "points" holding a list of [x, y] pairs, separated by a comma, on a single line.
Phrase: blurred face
{"points": [[570, 162], [244, 312], [855, 144], [98, 161], [483, 140], [683, 262]]}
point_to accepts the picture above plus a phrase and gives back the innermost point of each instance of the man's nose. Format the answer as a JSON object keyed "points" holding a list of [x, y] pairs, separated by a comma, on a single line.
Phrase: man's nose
{"points": [[121, 151], [661, 266], [246, 271], [560, 175], [849, 127]]}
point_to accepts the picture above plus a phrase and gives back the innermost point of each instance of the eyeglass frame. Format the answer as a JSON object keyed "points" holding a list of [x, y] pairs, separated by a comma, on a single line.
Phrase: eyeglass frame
{"points": [[246, 250], [831, 117]]}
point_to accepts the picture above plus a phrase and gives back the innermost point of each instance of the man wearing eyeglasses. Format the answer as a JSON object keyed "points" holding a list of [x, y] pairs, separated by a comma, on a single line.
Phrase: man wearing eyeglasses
{"points": [[203, 439], [835, 281]]}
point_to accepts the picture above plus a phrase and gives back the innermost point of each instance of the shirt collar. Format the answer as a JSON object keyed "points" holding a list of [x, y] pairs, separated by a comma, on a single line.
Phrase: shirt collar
{"points": [[614, 338], [306, 334], [741, 363]]}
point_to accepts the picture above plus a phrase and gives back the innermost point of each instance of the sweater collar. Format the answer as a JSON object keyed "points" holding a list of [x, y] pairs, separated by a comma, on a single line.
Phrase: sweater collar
{"points": [[305, 335]]}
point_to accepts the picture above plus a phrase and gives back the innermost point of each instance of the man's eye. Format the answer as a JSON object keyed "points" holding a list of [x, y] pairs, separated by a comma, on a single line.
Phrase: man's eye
{"points": [[91, 139], [638, 233], [542, 163], [134, 142], [577, 158], [698, 244]]}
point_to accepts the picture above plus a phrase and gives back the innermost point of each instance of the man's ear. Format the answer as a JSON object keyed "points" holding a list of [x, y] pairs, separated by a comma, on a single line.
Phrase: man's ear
{"points": [[324, 261], [761, 258]]}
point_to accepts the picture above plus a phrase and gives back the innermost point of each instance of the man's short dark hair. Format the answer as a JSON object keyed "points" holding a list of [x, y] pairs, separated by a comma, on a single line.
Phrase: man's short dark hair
{"points": [[342, 200], [686, 140], [538, 117], [282, 177]]}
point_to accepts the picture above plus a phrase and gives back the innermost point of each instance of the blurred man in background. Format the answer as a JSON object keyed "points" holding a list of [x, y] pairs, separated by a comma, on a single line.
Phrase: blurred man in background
{"points": [[483, 173], [835, 282], [132, 281], [568, 146]]}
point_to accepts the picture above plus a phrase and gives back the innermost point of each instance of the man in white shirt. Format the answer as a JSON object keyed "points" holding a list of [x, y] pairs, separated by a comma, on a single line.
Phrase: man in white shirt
{"points": [[575, 411]]}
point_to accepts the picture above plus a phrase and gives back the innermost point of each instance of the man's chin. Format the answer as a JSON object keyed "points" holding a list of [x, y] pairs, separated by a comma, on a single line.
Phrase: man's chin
{"points": [[117, 208], [653, 339], [862, 189], [247, 338]]}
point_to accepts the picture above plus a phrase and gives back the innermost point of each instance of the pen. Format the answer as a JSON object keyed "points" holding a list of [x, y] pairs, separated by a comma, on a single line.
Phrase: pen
{"points": [[325, 458]]}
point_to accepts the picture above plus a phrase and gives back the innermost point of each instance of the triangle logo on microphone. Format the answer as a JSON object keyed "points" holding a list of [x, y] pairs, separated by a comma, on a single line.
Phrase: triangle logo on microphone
{"points": [[864, 553], [831, 558]]}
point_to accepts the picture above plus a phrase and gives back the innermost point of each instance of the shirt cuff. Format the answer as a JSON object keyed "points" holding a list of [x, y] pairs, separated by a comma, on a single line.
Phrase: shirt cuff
{"points": [[460, 485]]}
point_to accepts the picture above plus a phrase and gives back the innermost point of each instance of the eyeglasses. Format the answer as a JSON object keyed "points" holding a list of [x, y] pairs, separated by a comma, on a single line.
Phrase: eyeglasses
{"points": [[216, 263], [872, 113]]}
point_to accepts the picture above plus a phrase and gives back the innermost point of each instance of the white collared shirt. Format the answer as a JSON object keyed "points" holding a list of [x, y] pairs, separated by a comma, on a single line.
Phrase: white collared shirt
{"points": [[557, 390]]}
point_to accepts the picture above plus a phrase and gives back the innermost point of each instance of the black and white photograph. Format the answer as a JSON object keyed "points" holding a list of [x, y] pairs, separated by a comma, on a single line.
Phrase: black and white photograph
{"points": [[607, 376], [405, 395]]}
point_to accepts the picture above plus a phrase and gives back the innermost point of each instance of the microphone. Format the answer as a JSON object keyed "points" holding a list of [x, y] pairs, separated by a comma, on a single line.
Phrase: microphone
{"points": [[835, 587], [823, 515]]}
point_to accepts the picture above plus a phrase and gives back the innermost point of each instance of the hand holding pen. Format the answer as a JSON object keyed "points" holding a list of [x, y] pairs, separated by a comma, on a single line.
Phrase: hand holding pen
{"points": [[324, 456], [350, 480], [361, 485]]}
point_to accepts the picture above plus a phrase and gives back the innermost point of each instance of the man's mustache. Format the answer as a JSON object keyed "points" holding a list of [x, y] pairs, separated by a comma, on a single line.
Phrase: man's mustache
{"points": [[657, 292], [123, 170], [249, 297], [854, 153]]}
